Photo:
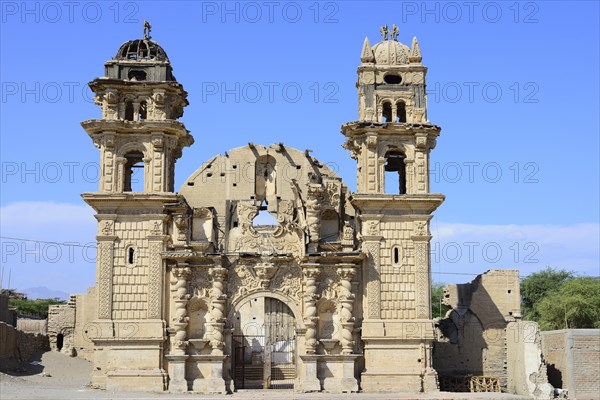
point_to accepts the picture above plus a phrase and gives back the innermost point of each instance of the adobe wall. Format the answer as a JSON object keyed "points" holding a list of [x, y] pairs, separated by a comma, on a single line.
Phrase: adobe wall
{"points": [[6, 315], [526, 369], [85, 314], [573, 359], [472, 335], [61, 326], [33, 325], [17, 346]]}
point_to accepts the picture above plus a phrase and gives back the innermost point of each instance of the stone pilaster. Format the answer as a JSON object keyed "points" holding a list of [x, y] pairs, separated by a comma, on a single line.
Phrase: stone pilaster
{"points": [[371, 278], [421, 240], [105, 263]]}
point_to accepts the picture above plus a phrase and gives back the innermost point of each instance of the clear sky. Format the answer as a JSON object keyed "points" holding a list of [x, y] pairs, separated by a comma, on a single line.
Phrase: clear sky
{"points": [[514, 86]]}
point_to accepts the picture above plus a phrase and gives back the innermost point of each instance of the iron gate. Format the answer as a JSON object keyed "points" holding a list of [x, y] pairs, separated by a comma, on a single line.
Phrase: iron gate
{"points": [[267, 361]]}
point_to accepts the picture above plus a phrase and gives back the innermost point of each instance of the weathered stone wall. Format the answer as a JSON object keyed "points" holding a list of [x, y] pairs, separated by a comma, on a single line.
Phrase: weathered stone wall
{"points": [[17, 346], [33, 325], [573, 359]]}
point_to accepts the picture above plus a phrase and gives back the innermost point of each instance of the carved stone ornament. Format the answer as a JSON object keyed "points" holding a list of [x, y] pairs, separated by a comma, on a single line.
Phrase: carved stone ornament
{"points": [[264, 272], [107, 228], [246, 279], [421, 228], [181, 222], [157, 228], [372, 228]]}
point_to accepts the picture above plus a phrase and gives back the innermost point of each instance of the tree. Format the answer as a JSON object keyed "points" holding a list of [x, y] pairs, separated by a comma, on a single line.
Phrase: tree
{"points": [[33, 308], [575, 305], [438, 310], [537, 286]]}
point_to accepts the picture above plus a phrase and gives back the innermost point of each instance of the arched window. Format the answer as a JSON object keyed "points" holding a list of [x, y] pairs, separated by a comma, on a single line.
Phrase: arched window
{"points": [[129, 110], [136, 75], [395, 172], [396, 257], [133, 181], [387, 112], [130, 256], [143, 112], [400, 112]]}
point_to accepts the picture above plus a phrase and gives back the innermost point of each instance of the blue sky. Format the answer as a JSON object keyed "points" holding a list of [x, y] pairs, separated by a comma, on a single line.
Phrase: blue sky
{"points": [[514, 86]]}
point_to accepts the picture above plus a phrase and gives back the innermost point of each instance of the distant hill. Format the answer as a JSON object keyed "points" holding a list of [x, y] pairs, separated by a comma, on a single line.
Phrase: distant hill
{"points": [[43, 292]]}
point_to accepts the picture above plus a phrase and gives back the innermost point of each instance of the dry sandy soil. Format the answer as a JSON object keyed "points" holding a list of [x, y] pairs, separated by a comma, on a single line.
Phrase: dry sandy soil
{"points": [[59, 377]]}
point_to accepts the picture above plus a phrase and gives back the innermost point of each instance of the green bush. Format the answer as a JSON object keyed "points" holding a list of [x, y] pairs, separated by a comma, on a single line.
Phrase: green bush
{"points": [[33, 308]]}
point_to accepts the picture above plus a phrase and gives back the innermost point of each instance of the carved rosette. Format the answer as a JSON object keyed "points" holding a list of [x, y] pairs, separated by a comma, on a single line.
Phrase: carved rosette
{"points": [[218, 300], [311, 317], [346, 273], [180, 320]]}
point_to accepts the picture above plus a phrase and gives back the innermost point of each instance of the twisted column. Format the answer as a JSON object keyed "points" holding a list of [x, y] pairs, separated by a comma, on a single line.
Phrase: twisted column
{"points": [[346, 273], [311, 272], [218, 299], [313, 215], [180, 319]]}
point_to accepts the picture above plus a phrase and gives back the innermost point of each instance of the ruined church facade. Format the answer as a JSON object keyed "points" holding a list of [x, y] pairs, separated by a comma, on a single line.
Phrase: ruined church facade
{"points": [[194, 292]]}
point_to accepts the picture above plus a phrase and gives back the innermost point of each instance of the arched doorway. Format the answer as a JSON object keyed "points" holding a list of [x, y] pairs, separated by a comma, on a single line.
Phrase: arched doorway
{"points": [[264, 345]]}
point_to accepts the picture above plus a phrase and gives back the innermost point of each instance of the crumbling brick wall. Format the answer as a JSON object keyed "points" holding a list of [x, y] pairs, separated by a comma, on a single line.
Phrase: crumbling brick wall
{"points": [[573, 359]]}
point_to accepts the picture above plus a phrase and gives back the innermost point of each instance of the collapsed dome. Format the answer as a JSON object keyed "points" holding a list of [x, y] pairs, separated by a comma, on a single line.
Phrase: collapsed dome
{"points": [[141, 49]]}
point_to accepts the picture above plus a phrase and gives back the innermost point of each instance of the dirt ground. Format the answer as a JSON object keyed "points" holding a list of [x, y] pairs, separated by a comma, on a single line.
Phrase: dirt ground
{"points": [[56, 376]]}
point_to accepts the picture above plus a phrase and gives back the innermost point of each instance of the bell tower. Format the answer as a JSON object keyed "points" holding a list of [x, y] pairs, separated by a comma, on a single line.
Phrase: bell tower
{"points": [[391, 142], [139, 138], [138, 135]]}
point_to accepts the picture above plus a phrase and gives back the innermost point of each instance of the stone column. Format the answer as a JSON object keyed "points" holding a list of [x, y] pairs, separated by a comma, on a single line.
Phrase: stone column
{"points": [[218, 299], [346, 273], [311, 316], [313, 215], [177, 356], [310, 382], [212, 364]]}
